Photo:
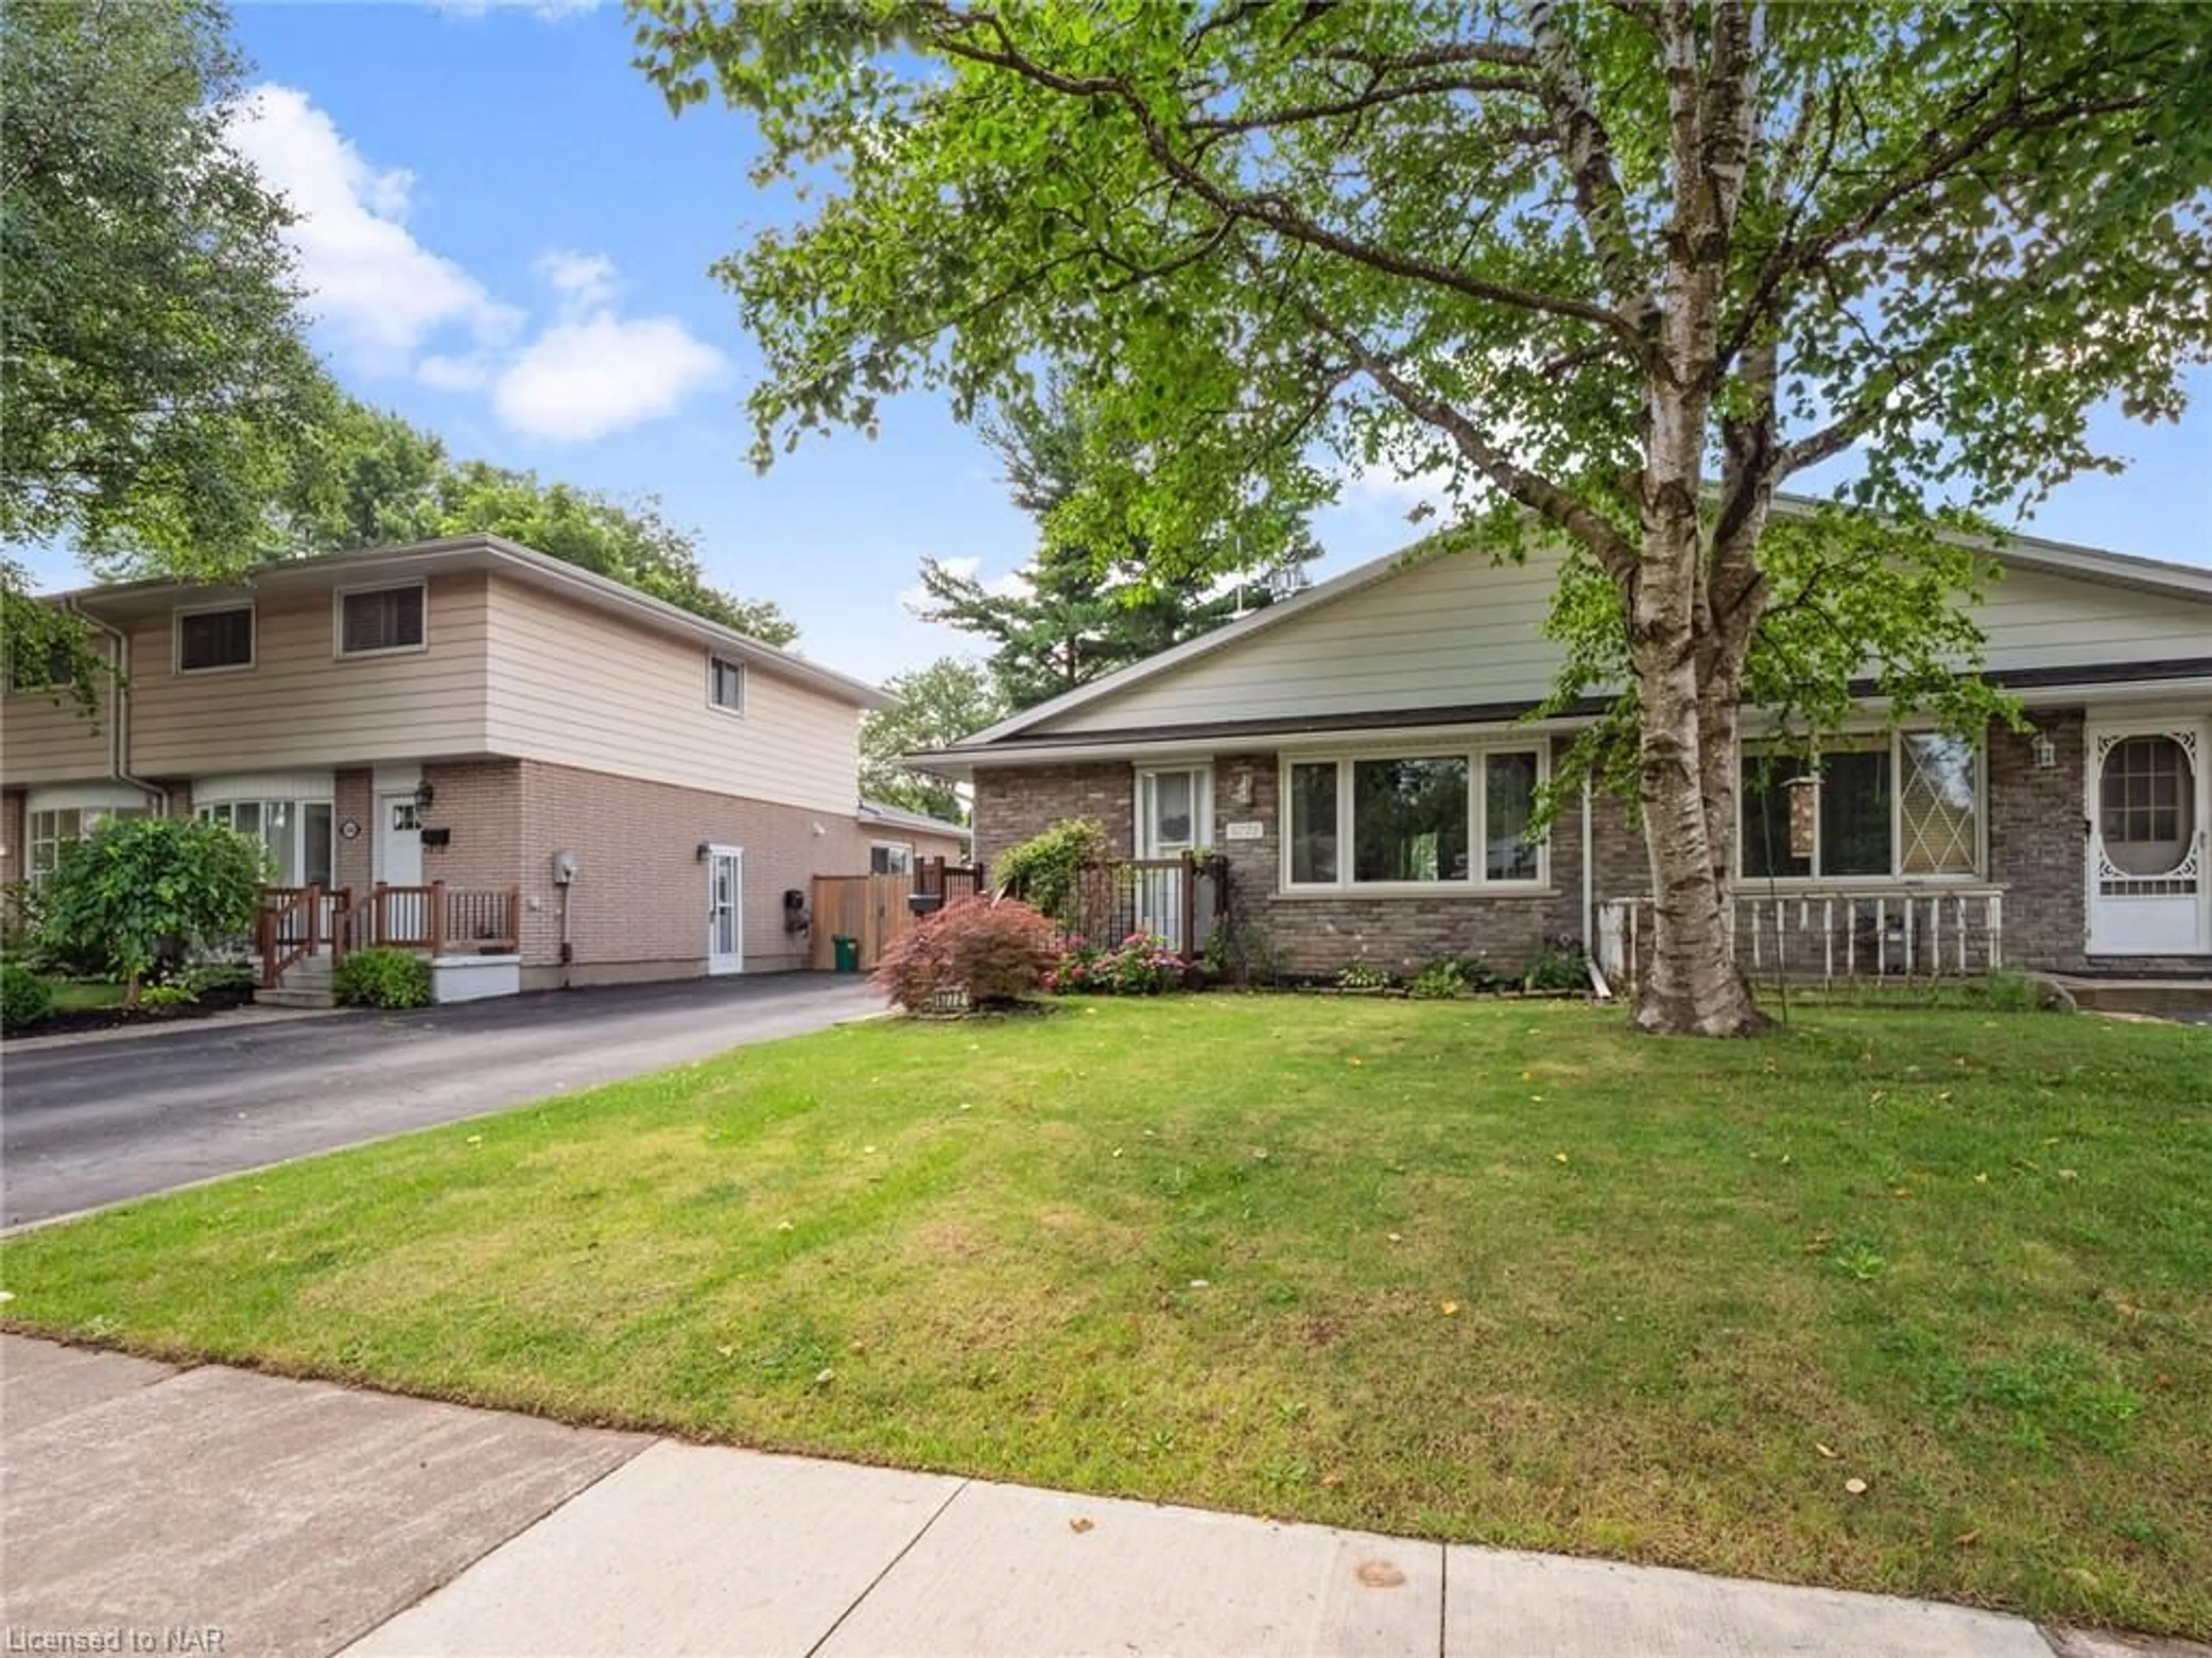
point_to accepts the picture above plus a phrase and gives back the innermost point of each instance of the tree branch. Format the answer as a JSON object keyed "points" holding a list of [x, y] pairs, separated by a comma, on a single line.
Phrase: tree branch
{"points": [[957, 41], [1538, 494]]}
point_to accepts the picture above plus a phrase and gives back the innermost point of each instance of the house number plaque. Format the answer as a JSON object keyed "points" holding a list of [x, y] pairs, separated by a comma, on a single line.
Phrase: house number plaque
{"points": [[1252, 829], [349, 830]]}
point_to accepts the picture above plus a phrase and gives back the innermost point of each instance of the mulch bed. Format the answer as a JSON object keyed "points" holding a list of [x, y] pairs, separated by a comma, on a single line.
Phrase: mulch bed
{"points": [[118, 1017]]}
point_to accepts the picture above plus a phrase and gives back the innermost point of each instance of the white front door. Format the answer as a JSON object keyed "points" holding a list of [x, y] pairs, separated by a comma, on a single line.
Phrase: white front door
{"points": [[2149, 797], [725, 944], [398, 839], [1175, 815]]}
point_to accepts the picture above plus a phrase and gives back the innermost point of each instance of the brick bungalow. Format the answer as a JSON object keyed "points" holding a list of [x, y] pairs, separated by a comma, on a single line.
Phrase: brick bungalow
{"points": [[539, 775], [1362, 756]]}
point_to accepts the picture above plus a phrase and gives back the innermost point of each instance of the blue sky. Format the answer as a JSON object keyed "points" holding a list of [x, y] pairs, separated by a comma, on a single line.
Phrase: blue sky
{"points": [[510, 236]]}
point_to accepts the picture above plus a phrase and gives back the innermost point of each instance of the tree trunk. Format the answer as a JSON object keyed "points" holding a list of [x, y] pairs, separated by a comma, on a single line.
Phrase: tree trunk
{"points": [[1686, 690]]}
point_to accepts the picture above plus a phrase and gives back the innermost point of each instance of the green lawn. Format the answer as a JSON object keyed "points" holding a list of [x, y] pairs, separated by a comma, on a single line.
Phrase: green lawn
{"points": [[77, 995], [1492, 1272]]}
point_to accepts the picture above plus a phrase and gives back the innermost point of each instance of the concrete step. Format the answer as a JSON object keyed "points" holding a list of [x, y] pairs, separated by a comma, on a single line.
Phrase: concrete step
{"points": [[290, 996], [2159, 996]]}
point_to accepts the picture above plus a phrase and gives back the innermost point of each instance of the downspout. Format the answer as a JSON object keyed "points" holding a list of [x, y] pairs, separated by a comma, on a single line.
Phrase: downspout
{"points": [[1589, 879], [119, 709]]}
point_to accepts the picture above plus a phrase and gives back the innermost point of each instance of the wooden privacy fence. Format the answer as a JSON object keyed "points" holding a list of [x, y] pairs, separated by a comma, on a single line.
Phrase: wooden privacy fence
{"points": [[872, 909]]}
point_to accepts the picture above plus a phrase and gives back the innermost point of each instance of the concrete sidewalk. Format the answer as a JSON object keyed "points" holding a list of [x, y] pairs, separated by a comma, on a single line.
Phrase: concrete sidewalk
{"points": [[149, 1507]]}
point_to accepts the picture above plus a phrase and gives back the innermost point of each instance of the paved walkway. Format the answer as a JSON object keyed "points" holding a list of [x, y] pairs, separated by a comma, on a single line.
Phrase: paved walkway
{"points": [[299, 1518]]}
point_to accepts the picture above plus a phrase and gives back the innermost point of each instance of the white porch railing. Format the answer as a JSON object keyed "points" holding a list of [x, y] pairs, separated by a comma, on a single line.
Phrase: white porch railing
{"points": [[1857, 932]]}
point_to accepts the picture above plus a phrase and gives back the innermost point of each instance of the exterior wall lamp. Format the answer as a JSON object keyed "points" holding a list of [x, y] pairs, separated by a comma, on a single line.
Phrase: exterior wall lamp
{"points": [[424, 794]]}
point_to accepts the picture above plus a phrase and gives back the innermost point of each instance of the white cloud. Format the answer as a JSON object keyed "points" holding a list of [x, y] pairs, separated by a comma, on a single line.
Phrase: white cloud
{"points": [[378, 290], [586, 377], [583, 280]]}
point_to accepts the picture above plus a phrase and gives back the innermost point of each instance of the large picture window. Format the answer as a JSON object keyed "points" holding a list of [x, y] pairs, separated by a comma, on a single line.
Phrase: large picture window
{"points": [[1903, 807], [1449, 819]]}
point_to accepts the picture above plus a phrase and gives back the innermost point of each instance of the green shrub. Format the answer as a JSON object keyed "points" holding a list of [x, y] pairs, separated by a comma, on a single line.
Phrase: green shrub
{"points": [[979, 953], [1481, 978], [1140, 965], [25, 998], [213, 978], [381, 978], [173, 995], [140, 894], [1559, 965], [1360, 974], [1440, 982], [1045, 871]]}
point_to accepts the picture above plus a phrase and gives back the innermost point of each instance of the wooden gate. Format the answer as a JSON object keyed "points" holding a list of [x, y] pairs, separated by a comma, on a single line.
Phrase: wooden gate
{"points": [[871, 909]]}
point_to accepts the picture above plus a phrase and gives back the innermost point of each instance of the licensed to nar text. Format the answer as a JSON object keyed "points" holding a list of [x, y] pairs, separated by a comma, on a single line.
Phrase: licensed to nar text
{"points": [[205, 1639]]}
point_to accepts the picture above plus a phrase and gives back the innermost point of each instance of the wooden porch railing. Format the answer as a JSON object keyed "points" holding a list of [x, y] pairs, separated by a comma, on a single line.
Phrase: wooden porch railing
{"points": [[291, 924], [297, 923], [436, 918], [1839, 934]]}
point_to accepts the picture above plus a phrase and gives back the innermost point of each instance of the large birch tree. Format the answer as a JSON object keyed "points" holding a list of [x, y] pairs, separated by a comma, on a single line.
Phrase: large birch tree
{"points": [[1617, 270]]}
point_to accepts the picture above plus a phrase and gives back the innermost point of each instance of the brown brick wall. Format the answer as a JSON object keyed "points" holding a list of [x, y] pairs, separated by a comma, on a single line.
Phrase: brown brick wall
{"points": [[638, 909], [1011, 807], [2036, 851], [1312, 935], [2037, 844], [478, 803], [354, 801], [12, 827]]}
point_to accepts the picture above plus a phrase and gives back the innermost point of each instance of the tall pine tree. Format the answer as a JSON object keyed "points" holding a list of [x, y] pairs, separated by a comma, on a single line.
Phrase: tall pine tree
{"points": [[1093, 601]]}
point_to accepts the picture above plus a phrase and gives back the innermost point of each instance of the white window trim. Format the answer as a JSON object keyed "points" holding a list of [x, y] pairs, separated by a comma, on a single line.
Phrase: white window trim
{"points": [[338, 598], [177, 636], [906, 846], [1477, 807], [1862, 741], [744, 684], [1201, 804]]}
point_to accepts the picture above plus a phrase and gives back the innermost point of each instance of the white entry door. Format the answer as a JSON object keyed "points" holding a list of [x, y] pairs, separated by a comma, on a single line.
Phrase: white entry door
{"points": [[398, 839], [1174, 814], [725, 943], [2149, 799]]}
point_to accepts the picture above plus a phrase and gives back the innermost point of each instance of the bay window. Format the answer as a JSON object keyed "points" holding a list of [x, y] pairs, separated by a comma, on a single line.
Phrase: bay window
{"points": [[49, 832], [296, 834], [1449, 818], [1906, 807]]}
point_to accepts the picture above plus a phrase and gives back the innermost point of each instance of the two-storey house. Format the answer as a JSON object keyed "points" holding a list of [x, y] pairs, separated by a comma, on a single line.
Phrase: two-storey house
{"points": [[538, 774]]}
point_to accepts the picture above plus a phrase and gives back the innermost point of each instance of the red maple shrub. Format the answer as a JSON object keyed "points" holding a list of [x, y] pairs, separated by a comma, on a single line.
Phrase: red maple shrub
{"points": [[986, 952]]}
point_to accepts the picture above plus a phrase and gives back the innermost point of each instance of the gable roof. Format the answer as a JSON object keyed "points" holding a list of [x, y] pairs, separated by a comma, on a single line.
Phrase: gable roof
{"points": [[2018, 551], [483, 552]]}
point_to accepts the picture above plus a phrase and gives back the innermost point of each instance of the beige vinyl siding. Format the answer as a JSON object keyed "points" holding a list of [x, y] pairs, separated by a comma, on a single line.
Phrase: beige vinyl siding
{"points": [[45, 739], [2036, 620], [1461, 630], [301, 704], [1458, 630], [579, 687]]}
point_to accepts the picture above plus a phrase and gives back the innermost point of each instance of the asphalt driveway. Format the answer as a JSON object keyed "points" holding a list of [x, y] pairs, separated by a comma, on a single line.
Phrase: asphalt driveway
{"points": [[94, 1122]]}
